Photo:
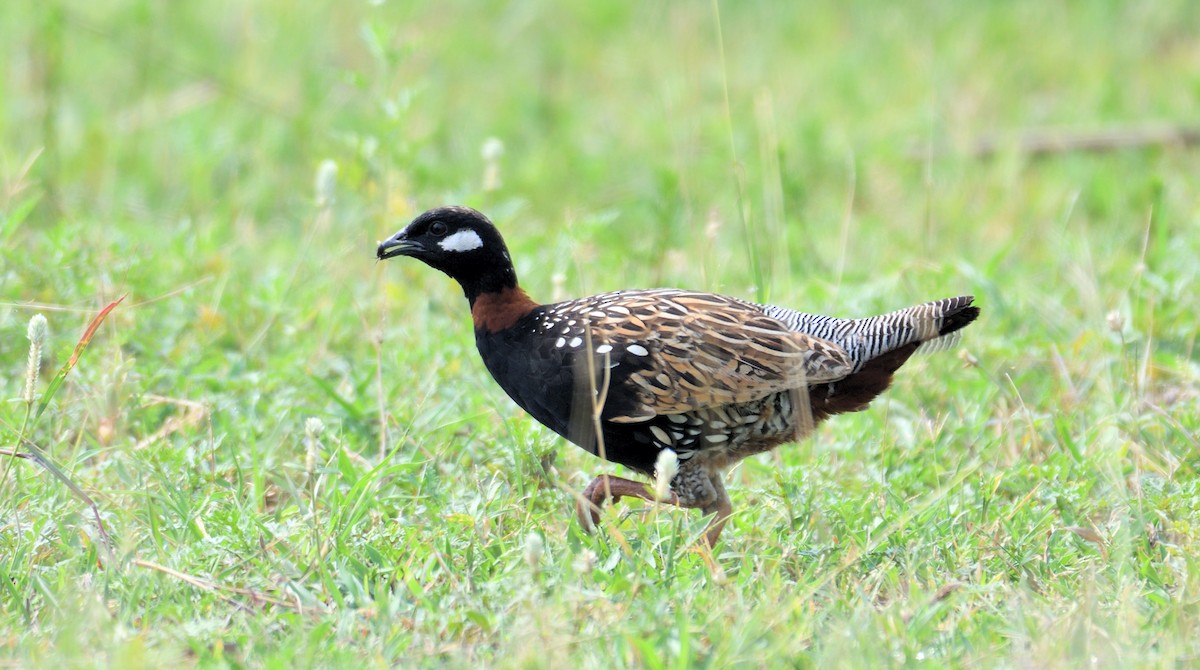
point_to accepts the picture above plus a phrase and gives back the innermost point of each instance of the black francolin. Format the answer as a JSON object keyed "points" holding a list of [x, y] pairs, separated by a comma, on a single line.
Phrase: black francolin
{"points": [[628, 374]]}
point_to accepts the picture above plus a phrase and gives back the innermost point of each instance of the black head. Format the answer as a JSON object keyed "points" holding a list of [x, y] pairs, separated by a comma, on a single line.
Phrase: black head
{"points": [[460, 242]]}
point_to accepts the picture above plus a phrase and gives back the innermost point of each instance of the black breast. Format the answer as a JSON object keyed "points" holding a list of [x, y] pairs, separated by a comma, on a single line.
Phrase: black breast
{"points": [[550, 381]]}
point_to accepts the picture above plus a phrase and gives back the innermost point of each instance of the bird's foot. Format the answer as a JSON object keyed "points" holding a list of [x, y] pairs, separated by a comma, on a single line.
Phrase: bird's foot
{"points": [[602, 488], [607, 487]]}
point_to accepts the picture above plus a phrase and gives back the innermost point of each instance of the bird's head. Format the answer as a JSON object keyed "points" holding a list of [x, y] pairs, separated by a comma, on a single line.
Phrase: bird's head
{"points": [[460, 242]]}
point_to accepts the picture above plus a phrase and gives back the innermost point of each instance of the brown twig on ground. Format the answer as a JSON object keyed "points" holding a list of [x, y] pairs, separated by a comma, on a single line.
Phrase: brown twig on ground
{"points": [[1048, 141], [256, 597]]}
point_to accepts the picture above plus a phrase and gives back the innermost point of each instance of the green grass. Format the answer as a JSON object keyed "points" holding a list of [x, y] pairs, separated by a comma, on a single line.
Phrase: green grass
{"points": [[1036, 507]]}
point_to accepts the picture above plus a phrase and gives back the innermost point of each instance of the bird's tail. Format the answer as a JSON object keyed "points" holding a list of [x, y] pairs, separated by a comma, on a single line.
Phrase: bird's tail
{"points": [[930, 325]]}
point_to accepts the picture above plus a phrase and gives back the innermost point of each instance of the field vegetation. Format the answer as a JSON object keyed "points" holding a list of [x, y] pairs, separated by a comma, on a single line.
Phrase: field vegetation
{"points": [[298, 459]]}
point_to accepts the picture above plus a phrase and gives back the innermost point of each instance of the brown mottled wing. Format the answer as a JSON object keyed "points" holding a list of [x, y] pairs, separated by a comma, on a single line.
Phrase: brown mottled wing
{"points": [[677, 351]]}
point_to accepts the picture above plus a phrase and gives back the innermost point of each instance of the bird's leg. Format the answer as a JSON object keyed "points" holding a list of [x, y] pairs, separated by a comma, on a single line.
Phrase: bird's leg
{"points": [[720, 508], [587, 506]]}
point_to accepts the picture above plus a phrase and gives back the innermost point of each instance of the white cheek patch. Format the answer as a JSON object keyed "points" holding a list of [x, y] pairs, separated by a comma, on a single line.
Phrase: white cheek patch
{"points": [[463, 240]]}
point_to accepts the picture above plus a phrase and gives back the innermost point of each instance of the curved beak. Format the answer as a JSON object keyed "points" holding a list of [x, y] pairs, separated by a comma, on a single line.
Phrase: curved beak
{"points": [[397, 245]]}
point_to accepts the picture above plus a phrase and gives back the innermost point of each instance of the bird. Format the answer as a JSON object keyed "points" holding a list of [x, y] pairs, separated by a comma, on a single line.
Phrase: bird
{"points": [[628, 374]]}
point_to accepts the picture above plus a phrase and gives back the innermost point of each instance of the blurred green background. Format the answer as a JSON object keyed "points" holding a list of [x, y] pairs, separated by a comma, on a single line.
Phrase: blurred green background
{"points": [[1030, 500]]}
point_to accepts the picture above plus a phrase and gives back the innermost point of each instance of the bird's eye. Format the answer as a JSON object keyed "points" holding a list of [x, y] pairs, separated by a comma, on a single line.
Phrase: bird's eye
{"points": [[437, 228]]}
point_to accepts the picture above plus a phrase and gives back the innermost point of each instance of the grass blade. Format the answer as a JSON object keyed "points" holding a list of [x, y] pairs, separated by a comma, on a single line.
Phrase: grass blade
{"points": [[79, 347]]}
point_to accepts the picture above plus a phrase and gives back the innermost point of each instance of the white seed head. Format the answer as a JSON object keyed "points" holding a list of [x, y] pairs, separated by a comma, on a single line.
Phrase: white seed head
{"points": [[493, 149], [713, 226], [666, 466], [585, 562], [37, 329], [37, 336], [558, 284], [535, 548], [326, 182], [313, 426], [1116, 321]]}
